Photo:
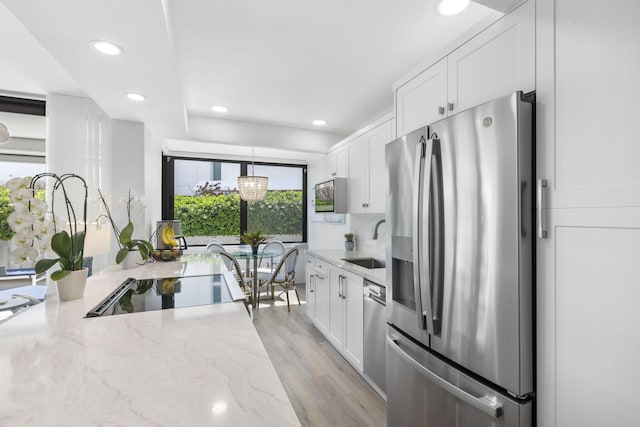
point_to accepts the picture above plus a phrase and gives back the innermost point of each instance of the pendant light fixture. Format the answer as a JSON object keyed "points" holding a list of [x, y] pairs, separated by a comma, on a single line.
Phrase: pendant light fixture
{"points": [[253, 188]]}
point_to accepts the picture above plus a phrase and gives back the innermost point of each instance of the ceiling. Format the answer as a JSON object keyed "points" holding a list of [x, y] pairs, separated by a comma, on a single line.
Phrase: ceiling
{"points": [[276, 62]]}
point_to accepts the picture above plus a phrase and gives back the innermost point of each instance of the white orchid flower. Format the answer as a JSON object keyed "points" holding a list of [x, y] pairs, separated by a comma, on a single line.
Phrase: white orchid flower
{"points": [[23, 237], [24, 255], [20, 218], [43, 229], [17, 183], [38, 208], [21, 196], [43, 246]]}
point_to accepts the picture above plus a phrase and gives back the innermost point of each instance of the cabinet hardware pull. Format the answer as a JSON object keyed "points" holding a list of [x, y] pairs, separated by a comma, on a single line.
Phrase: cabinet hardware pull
{"points": [[440, 110], [541, 186], [450, 106]]}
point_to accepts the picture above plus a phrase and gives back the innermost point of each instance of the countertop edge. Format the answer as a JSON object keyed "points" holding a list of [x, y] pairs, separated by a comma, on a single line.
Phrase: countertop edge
{"points": [[335, 257]]}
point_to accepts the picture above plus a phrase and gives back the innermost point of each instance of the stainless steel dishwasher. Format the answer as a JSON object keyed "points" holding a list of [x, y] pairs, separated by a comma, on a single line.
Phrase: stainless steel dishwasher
{"points": [[375, 347]]}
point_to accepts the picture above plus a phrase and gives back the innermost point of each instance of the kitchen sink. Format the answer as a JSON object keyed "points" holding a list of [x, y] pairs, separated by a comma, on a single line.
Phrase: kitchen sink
{"points": [[366, 262]]}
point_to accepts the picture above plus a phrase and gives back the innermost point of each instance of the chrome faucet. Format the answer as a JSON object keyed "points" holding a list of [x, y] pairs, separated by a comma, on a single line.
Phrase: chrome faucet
{"points": [[375, 230]]}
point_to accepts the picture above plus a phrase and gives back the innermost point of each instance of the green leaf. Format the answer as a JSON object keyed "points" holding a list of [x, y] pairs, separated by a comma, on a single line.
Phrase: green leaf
{"points": [[45, 264], [61, 244], [125, 234], [60, 274], [78, 243], [121, 255], [145, 248]]}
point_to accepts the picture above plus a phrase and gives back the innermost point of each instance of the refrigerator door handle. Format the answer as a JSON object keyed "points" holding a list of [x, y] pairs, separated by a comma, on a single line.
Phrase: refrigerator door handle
{"points": [[486, 404], [417, 183], [421, 179]]}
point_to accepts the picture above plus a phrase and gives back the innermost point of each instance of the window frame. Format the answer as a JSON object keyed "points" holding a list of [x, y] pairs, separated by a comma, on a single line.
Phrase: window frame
{"points": [[168, 190]]}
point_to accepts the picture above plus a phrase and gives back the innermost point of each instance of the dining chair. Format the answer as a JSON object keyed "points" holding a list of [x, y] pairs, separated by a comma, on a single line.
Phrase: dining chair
{"points": [[214, 248], [246, 283], [284, 275], [275, 247]]}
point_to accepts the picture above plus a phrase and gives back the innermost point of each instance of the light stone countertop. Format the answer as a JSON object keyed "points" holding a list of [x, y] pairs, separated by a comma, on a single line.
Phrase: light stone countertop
{"points": [[335, 257], [163, 368]]}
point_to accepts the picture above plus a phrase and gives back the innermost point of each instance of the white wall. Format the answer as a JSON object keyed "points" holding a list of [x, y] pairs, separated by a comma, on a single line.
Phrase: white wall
{"points": [[127, 151], [152, 179], [78, 141]]}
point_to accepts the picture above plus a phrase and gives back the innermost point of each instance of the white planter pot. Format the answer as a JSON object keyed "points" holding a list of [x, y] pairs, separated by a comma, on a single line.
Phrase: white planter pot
{"points": [[72, 286], [133, 259]]}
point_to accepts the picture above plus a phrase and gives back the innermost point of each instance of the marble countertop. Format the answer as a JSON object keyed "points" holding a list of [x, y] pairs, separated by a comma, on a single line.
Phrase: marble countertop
{"points": [[335, 257], [191, 366]]}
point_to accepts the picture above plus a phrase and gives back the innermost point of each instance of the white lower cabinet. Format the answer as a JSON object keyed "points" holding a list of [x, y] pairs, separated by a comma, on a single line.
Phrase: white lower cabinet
{"points": [[311, 292], [338, 310], [353, 290], [322, 294]]}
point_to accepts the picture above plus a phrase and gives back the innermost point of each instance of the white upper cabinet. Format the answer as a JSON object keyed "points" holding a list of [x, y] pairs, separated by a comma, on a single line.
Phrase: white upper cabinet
{"points": [[367, 170], [423, 99], [498, 61], [337, 162], [358, 174]]}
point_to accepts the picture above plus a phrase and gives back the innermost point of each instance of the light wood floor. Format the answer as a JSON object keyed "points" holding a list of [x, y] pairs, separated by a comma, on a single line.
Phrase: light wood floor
{"points": [[323, 387]]}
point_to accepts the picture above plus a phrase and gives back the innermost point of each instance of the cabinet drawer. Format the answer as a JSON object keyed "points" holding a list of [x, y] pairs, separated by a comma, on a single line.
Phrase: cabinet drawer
{"points": [[311, 262]]}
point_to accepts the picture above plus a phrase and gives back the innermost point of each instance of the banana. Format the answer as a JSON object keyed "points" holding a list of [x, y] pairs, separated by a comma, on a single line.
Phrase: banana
{"points": [[168, 285], [168, 238]]}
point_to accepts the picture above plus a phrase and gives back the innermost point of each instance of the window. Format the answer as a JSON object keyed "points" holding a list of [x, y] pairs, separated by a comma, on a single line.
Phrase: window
{"points": [[12, 166], [203, 196], [22, 155]]}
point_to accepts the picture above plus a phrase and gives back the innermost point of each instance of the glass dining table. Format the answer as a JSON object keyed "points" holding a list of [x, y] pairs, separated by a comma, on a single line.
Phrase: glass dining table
{"points": [[248, 256]]}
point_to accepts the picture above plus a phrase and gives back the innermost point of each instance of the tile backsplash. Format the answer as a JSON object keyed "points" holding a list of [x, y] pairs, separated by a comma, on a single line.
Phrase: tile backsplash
{"points": [[362, 227]]}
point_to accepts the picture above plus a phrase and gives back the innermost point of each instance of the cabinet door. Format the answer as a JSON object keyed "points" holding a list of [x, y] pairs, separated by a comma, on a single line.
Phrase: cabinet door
{"points": [[311, 294], [588, 263], [378, 138], [331, 165], [336, 302], [498, 61], [337, 163], [322, 291], [422, 100], [354, 330], [342, 162], [359, 174]]}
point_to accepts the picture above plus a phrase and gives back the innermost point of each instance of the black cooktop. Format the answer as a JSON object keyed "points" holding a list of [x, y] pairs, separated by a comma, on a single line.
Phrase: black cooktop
{"points": [[134, 296]]}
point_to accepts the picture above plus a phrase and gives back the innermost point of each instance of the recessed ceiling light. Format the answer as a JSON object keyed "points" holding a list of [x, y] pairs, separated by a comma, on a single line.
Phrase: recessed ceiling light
{"points": [[106, 47], [451, 7], [136, 97], [319, 122], [219, 108]]}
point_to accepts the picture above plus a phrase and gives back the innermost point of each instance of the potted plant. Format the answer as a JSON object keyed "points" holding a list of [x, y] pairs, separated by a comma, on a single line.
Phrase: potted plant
{"points": [[130, 250], [348, 244], [33, 225], [253, 239]]}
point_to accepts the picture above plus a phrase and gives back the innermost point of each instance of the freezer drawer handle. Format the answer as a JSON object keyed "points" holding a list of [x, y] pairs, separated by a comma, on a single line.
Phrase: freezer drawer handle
{"points": [[484, 403]]}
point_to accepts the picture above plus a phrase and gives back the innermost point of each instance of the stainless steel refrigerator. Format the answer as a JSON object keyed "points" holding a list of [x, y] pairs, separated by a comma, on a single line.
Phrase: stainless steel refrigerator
{"points": [[459, 270]]}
